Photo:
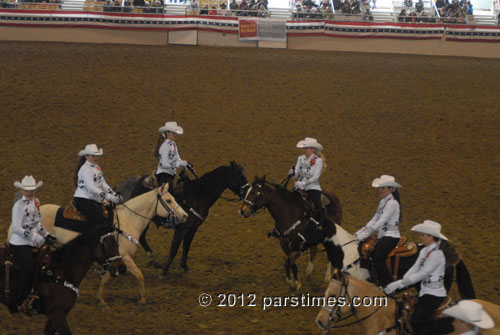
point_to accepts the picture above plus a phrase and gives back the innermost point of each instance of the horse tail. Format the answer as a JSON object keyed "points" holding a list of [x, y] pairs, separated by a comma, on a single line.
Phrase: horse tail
{"points": [[334, 209], [464, 281]]}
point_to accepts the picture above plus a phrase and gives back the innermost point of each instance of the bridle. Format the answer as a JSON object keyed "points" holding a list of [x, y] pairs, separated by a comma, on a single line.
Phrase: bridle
{"points": [[335, 313], [260, 193], [159, 200], [109, 260]]}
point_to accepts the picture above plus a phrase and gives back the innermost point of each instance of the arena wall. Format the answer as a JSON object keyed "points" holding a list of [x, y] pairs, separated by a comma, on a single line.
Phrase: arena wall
{"points": [[223, 32]]}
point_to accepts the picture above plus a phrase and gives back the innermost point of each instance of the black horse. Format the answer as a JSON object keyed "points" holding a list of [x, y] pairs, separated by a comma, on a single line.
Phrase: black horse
{"points": [[59, 278], [195, 197]]}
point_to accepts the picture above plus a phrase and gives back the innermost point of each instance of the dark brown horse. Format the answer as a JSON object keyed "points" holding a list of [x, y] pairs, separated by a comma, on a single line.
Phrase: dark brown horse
{"points": [[57, 284], [292, 217]]}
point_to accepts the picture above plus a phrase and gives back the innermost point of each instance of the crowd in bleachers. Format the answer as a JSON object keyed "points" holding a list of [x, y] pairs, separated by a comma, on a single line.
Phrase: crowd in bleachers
{"points": [[257, 8], [310, 9], [456, 11]]}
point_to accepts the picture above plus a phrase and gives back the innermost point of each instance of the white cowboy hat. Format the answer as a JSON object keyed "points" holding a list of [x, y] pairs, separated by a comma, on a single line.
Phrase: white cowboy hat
{"points": [[91, 149], [173, 127], [385, 181], [472, 313], [430, 228], [309, 142], [28, 184]]}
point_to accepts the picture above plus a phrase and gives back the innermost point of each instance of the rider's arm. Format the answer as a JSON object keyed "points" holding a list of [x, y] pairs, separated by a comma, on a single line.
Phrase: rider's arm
{"points": [[87, 177], [434, 261], [391, 208]]}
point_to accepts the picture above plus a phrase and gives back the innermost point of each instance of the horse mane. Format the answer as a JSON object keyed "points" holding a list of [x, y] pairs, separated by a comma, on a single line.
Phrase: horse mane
{"points": [[202, 184], [289, 196], [69, 250]]}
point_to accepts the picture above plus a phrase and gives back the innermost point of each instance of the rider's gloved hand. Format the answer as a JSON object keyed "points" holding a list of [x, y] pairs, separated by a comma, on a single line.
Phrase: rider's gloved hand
{"points": [[291, 172], [299, 185], [113, 198], [190, 166]]}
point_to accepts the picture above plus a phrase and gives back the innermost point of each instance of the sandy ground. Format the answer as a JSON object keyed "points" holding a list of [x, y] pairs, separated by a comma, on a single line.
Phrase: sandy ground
{"points": [[433, 122]]}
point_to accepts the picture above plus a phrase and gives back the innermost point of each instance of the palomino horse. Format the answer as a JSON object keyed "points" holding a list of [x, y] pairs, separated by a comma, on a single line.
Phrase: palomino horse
{"points": [[131, 218], [296, 231], [196, 197], [57, 285], [374, 316], [352, 264], [493, 310]]}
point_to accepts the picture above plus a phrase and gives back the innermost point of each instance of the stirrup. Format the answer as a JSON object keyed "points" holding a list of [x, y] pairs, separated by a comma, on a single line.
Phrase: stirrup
{"points": [[27, 306]]}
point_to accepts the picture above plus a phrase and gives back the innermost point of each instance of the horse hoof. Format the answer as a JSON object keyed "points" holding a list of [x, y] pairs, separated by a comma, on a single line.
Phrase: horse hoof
{"points": [[298, 285]]}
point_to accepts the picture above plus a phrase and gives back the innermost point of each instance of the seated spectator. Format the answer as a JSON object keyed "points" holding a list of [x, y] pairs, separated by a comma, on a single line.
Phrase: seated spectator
{"points": [[108, 6], [127, 6], [337, 5], [367, 16], [440, 4], [355, 7], [243, 8], [233, 6], [194, 5], [402, 15], [408, 5], [419, 6], [346, 7], [204, 10], [470, 10], [139, 3], [263, 11], [365, 6]]}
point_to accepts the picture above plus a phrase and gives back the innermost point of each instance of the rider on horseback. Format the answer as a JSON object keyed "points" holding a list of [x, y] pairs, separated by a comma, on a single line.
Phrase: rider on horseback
{"points": [[168, 155], [308, 169], [386, 223], [429, 270], [91, 188], [27, 234]]}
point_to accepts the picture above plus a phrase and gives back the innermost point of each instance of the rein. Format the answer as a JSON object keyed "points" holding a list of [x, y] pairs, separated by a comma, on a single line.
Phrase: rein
{"points": [[337, 310], [159, 199]]}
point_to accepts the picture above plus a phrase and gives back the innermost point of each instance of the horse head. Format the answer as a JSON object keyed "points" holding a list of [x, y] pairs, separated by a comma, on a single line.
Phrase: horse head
{"points": [[255, 198], [237, 182], [169, 207], [107, 253]]}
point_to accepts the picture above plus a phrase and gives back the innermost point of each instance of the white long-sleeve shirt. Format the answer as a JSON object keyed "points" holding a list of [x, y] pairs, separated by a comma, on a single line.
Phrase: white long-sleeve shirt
{"points": [[385, 220], [308, 170], [26, 226], [169, 159], [429, 270], [91, 184]]}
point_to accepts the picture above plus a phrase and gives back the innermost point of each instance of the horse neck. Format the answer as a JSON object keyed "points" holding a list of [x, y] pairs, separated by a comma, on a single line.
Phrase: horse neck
{"points": [[134, 215], [284, 212], [382, 317], [342, 238], [76, 267], [211, 186]]}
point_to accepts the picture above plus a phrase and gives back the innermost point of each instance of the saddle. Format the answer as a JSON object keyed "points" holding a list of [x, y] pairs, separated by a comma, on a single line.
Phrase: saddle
{"points": [[402, 249], [70, 218], [310, 209], [407, 306]]}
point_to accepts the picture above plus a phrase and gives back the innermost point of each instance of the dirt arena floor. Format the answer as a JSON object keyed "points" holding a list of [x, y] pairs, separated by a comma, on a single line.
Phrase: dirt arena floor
{"points": [[433, 122]]}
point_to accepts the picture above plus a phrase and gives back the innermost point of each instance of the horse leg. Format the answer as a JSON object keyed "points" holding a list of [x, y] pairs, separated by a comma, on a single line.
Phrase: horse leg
{"points": [[293, 259], [335, 254], [147, 248], [328, 272], [186, 244], [174, 247], [49, 330], [132, 267], [310, 266], [58, 323], [100, 292]]}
